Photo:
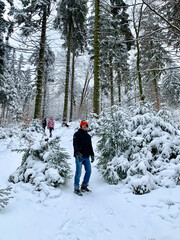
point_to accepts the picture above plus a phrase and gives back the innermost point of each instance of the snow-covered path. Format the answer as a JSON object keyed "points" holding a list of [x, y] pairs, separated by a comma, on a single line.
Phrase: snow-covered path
{"points": [[108, 213]]}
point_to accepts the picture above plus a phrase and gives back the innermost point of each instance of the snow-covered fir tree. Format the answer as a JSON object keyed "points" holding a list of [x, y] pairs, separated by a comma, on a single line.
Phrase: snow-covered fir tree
{"points": [[154, 57], [43, 164], [171, 88], [115, 40], [34, 23], [17, 87], [142, 150], [171, 11]]}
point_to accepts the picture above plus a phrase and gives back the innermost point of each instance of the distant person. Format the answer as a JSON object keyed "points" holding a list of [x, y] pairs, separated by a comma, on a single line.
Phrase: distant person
{"points": [[51, 125], [82, 151], [44, 124]]}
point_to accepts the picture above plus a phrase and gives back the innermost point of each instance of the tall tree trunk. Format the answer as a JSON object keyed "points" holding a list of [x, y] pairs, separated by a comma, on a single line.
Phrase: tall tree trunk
{"points": [[135, 90], [139, 73], [72, 88], [84, 91], [137, 26], [111, 81], [66, 96], [119, 86], [3, 110], [85, 88], [40, 70], [96, 59], [156, 91], [154, 82], [45, 93]]}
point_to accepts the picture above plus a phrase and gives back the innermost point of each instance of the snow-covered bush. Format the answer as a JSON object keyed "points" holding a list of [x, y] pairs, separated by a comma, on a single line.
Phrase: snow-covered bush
{"points": [[5, 196], [146, 150], [114, 140], [2, 134], [17, 136], [36, 126], [45, 163], [18, 130], [154, 153]]}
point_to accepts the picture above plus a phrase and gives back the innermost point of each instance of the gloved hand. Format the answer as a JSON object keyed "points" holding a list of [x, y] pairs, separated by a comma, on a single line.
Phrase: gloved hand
{"points": [[92, 158], [79, 156]]}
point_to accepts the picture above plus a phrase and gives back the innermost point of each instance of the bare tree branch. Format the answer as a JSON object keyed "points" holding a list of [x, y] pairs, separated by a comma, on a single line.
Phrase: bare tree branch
{"points": [[162, 17]]}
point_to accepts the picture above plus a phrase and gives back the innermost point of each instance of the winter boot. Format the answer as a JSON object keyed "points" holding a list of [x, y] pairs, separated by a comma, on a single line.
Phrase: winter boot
{"points": [[50, 134], [85, 189], [78, 192]]}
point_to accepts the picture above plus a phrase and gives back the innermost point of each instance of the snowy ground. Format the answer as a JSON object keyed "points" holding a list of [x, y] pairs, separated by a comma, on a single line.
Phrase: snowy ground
{"points": [[108, 213]]}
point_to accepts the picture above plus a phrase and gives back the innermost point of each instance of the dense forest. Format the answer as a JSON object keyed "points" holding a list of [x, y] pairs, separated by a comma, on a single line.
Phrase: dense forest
{"points": [[70, 58], [104, 77]]}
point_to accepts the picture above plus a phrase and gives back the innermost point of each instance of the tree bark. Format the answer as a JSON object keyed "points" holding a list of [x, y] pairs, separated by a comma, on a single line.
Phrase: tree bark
{"points": [[72, 88], [139, 73], [44, 97], [85, 88], [96, 59], [156, 91], [137, 30], [119, 87], [154, 81], [111, 81], [3, 110], [40, 70], [66, 96]]}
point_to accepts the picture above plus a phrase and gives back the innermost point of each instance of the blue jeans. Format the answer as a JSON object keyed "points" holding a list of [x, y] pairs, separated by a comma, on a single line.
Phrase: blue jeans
{"points": [[50, 130], [87, 165]]}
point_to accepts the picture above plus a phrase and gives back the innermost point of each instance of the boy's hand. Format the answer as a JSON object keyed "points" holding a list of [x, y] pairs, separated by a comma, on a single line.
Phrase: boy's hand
{"points": [[92, 158], [79, 156]]}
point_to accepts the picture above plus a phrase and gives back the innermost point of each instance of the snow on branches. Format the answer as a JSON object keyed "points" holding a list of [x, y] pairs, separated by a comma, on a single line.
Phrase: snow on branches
{"points": [[141, 149], [43, 164], [5, 196]]}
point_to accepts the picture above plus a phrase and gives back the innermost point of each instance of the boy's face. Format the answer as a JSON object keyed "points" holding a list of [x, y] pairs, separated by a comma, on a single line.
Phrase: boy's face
{"points": [[84, 127]]}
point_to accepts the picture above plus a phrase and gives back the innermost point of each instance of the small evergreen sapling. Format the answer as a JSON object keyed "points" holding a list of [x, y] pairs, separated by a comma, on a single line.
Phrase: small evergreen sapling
{"points": [[44, 163], [113, 141], [155, 153], [142, 149]]}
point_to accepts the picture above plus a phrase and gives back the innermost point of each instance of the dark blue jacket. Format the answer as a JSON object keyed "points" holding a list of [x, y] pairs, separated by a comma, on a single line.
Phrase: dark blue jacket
{"points": [[82, 143]]}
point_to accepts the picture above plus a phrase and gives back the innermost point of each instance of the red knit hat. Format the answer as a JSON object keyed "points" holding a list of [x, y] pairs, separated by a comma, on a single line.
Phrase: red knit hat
{"points": [[84, 122]]}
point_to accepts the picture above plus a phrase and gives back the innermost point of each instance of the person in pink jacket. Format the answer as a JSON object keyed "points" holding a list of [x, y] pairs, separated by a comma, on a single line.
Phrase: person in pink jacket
{"points": [[51, 125]]}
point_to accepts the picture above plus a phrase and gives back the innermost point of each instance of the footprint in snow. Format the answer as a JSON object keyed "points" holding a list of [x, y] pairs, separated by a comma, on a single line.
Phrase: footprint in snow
{"points": [[109, 211]]}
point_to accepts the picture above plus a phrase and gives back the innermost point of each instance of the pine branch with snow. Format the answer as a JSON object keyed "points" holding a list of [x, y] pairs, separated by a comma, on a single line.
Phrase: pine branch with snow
{"points": [[5, 196]]}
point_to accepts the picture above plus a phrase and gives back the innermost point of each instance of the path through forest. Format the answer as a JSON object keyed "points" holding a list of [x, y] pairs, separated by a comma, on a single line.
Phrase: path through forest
{"points": [[108, 213]]}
